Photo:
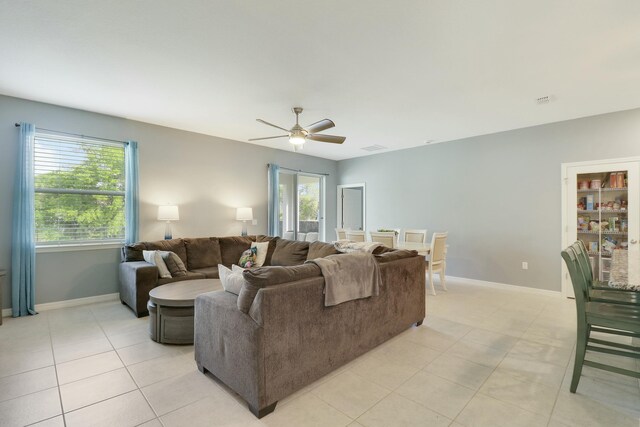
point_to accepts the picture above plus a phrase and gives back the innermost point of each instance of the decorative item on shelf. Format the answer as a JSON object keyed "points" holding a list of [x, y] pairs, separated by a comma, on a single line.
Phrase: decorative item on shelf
{"points": [[583, 185], [594, 226], [620, 180], [613, 180], [595, 184], [593, 246], [244, 215], [168, 213], [386, 230], [590, 202]]}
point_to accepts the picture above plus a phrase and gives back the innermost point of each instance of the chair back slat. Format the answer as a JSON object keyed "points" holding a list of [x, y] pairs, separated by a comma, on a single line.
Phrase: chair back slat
{"points": [[355, 236], [438, 247], [415, 236], [387, 238], [580, 287]]}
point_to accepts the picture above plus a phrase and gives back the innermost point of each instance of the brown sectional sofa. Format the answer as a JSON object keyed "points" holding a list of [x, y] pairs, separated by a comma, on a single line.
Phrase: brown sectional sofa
{"points": [[201, 256], [277, 336]]}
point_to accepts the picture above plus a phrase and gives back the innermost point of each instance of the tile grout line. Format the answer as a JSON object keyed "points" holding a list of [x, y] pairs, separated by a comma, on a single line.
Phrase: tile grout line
{"points": [[126, 368], [55, 368]]}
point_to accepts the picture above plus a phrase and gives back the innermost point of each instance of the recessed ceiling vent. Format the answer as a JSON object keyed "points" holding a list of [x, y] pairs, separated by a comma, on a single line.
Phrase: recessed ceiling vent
{"points": [[544, 99], [374, 148]]}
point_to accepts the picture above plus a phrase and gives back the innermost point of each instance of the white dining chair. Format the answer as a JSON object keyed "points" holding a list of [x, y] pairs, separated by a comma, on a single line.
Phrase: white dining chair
{"points": [[437, 260], [287, 235], [311, 236], [341, 233], [415, 236], [355, 236], [386, 238]]}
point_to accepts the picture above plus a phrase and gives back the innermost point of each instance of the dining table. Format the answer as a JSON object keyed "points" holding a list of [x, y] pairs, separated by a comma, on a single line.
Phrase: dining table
{"points": [[421, 248], [625, 271]]}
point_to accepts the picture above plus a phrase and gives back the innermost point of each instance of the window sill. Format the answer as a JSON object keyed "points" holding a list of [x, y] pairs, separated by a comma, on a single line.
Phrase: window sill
{"points": [[79, 247]]}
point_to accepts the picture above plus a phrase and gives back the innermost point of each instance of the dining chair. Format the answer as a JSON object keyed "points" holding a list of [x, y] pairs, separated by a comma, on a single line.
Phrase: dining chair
{"points": [[311, 237], [415, 236], [437, 260], [601, 293], [602, 317], [341, 233], [387, 238], [287, 235], [355, 236]]}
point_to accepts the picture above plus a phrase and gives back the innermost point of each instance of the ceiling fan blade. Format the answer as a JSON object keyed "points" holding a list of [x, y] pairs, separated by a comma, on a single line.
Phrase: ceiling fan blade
{"points": [[271, 124], [268, 137], [323, 124], [326, 138]]}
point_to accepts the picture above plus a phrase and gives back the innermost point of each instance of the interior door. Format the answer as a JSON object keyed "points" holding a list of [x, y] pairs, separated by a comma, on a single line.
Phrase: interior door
{"points": [[352, 208], [602, 209]]}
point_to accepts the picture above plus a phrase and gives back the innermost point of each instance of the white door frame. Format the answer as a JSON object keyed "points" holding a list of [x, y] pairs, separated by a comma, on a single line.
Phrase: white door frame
{"points": [[364, 203], [567, 289]]}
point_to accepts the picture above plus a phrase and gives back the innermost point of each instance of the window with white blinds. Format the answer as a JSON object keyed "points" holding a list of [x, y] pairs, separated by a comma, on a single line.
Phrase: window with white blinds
{"points": [[79, 191]]}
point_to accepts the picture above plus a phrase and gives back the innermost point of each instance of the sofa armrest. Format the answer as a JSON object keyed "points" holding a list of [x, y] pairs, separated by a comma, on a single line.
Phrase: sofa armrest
{"points": [[137, 278], [229, 344]]}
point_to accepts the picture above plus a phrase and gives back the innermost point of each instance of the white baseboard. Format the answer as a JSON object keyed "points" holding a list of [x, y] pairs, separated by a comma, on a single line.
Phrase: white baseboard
{"points": [[505, 286], [69, 303]]}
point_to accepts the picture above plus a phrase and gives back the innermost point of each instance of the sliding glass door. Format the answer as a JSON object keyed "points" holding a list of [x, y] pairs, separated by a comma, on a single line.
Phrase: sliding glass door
{"points": [[301, 207]]}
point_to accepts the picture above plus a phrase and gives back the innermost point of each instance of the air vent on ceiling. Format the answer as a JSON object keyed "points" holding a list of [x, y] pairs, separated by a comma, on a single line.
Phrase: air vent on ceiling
{"points": [[374, 148], [544, 99]]}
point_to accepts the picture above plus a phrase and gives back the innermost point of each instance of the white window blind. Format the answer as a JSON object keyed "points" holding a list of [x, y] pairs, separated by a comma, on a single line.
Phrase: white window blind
{"points": [[79, 191]]}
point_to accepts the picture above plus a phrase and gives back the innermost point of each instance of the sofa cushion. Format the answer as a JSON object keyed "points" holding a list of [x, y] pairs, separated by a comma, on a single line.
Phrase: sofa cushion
{"points": [[290, 252], [258, 278], [208, 272], [272, 246], [231, 278], [132, 252], [394, 254], [321, 250], [248, 257], [155, 258], [190, 276], [174, 263], [231, 248], [173, 245], [202, 252]]}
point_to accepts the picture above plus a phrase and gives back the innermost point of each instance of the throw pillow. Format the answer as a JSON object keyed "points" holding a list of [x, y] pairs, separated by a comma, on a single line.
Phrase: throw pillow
{"points": [[231, 280], [174, 263], [248, 258], [154, 257], [261, 256]]}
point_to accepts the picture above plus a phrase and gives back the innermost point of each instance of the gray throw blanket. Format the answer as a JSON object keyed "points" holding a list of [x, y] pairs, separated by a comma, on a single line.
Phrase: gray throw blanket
{"points": [[348, 277]]}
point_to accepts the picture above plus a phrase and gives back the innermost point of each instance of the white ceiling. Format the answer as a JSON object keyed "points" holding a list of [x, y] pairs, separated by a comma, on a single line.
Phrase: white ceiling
{"points": [[389, 73]]}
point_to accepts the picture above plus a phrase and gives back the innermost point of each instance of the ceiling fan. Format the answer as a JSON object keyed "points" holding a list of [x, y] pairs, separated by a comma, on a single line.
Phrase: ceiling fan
{"points": [[298, 135]]}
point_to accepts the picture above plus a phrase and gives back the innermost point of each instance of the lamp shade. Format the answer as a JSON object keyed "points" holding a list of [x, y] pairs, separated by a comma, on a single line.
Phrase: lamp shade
{"points": [[244, 214], [168, 213]]}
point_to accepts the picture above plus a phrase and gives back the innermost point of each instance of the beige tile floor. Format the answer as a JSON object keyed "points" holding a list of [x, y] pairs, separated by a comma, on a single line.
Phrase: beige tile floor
{"points": [[483, 357]]}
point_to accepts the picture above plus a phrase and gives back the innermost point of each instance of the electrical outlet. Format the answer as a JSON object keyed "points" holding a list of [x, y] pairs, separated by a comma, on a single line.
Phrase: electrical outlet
{"points": [[254, 222], [525, 265]]}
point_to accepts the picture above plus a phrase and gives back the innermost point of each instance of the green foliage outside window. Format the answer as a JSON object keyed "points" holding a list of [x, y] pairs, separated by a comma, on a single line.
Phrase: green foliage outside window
{"points": [[80, 198]]}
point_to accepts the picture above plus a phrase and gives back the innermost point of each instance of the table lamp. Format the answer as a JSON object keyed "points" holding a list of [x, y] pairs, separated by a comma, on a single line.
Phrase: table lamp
{"points": [[168, 213], [244, 215]]}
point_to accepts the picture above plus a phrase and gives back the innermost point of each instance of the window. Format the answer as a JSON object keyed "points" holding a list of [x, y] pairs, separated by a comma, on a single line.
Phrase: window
{"points": [[301, 205], [79, 191]]}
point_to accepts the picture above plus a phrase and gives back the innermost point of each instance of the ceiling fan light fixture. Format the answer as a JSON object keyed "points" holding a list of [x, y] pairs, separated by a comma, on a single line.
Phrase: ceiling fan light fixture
{"points": [[297, 139]]}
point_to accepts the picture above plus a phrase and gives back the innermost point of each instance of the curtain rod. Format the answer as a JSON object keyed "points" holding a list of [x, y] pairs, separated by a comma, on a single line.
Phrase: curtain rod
{"points": [[77, 134], [300, 170]]}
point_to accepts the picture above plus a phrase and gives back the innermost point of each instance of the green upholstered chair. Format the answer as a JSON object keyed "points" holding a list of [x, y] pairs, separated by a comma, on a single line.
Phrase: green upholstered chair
{"points": [[607, 318]]}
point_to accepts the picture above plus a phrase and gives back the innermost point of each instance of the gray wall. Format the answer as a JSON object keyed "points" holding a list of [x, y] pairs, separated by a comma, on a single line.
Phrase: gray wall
{"points": [[498, 196], [207, 177]]}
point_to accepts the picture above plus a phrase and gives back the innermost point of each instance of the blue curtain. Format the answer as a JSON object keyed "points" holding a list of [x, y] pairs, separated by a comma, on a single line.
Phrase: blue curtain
{"points": [[274, 201], [23, 245], [131, 196]]}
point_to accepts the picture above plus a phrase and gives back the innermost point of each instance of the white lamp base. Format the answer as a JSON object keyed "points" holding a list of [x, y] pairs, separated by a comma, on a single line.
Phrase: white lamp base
{"points": [[244, 228], [167, 231]]}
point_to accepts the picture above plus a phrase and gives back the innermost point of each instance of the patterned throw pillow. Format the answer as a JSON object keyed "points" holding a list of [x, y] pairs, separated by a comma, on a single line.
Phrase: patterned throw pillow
{"points": [[248, 258]]}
